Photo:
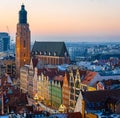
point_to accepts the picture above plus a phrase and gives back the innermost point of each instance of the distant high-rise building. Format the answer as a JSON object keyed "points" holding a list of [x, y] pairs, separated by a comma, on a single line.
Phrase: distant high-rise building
{"points": [[22, 40], [4, 41]]}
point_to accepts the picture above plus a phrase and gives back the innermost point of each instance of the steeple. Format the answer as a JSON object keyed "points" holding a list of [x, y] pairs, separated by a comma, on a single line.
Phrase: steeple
{"points": [[22, 15], [22, 41]]}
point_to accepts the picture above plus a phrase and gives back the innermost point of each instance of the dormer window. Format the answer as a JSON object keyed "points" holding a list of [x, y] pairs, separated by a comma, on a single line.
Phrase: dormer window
{"points": [[54, 53], [45, 53], [49, 53], [65, 53]]}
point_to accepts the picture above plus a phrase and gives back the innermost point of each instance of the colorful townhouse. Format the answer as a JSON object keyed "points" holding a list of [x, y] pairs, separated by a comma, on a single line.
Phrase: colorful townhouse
{"points": [[42, 83], [76, 77], [102, 101], [65, 92], [24, 78]]}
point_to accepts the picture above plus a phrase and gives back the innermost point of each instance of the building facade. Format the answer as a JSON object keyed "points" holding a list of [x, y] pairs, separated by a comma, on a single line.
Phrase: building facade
{"points": [[76, 85], [24, 78], [22, 40], [10, 66], [31, 74], [4, 41], [53, 53], [105, 101], [43, 91], [56, 92], [65, 92]]}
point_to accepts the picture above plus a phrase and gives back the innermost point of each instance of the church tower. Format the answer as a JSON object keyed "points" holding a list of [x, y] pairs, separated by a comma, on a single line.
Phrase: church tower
{"points": [[22, 41]]}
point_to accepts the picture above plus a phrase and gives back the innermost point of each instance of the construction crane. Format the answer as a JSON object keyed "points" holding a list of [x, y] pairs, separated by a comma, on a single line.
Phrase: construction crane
{"points": [[8, 31]]}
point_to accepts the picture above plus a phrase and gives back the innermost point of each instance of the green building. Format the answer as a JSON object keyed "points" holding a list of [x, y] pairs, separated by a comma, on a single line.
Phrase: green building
{"points": [[55, 92]]}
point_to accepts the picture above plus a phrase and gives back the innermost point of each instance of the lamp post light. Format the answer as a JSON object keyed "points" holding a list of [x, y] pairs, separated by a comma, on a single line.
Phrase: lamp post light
{"points": [[36, 100]]}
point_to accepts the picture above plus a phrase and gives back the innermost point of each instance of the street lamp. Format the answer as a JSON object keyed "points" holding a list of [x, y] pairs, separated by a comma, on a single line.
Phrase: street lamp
{"points": [[36, 98]]}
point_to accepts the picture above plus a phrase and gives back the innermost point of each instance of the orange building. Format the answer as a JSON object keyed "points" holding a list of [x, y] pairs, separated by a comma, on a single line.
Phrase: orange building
{"points": [[65, 92], [22, 41]]}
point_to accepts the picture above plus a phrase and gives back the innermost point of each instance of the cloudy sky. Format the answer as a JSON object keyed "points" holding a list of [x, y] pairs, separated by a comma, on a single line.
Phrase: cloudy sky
{"points": [[65, 20]]}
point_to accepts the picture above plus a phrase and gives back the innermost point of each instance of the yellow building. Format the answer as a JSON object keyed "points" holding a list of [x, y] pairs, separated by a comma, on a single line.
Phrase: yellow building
{"points": [[42, 85]]}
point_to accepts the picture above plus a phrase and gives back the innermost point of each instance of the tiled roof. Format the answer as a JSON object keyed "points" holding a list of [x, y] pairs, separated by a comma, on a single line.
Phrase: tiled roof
{"points": [[98, 99], [59, 78], [50, 72], [40, 71], [50, 48], [88, 77], [17, 99], [110, 82]]}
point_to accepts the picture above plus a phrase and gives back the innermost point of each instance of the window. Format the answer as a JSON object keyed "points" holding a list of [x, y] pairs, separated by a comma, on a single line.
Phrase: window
{"points": [[77, 84], [49, 53], [45, 53], [77, 92], [54, 53], [65, 54], [72, 97], [72, 90], [72, 84]]}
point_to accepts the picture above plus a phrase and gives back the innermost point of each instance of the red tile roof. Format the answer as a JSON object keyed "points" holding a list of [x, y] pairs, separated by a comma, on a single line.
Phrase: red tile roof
{"points": [[88, 77], [110, 82], [59, 78]]}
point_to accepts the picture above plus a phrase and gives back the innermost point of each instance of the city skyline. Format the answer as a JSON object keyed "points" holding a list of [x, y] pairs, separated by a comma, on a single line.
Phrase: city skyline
{"points": [[68, 20]]}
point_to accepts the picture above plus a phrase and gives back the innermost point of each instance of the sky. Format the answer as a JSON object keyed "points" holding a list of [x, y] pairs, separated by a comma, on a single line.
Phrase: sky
{"points": [[64, 20]]}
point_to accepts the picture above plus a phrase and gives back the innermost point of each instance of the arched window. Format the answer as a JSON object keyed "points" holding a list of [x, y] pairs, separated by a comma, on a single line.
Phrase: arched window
{"points": [[77, 84]]}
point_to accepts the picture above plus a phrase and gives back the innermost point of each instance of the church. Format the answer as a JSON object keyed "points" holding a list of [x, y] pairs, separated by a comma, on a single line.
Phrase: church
{"points": [[49, 53], [22, 41]]}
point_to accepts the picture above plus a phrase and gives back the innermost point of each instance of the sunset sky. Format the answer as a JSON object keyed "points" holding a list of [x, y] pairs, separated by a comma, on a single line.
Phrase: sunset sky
{"points": [[65, 20]]}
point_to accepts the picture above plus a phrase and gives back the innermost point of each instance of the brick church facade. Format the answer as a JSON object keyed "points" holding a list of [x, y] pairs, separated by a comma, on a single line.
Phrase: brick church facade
{"points": [[53, 53]]}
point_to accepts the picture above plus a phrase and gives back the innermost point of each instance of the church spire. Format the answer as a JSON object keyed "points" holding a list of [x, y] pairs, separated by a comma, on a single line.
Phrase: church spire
{"points": [[22, 15], [22, 41]]}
